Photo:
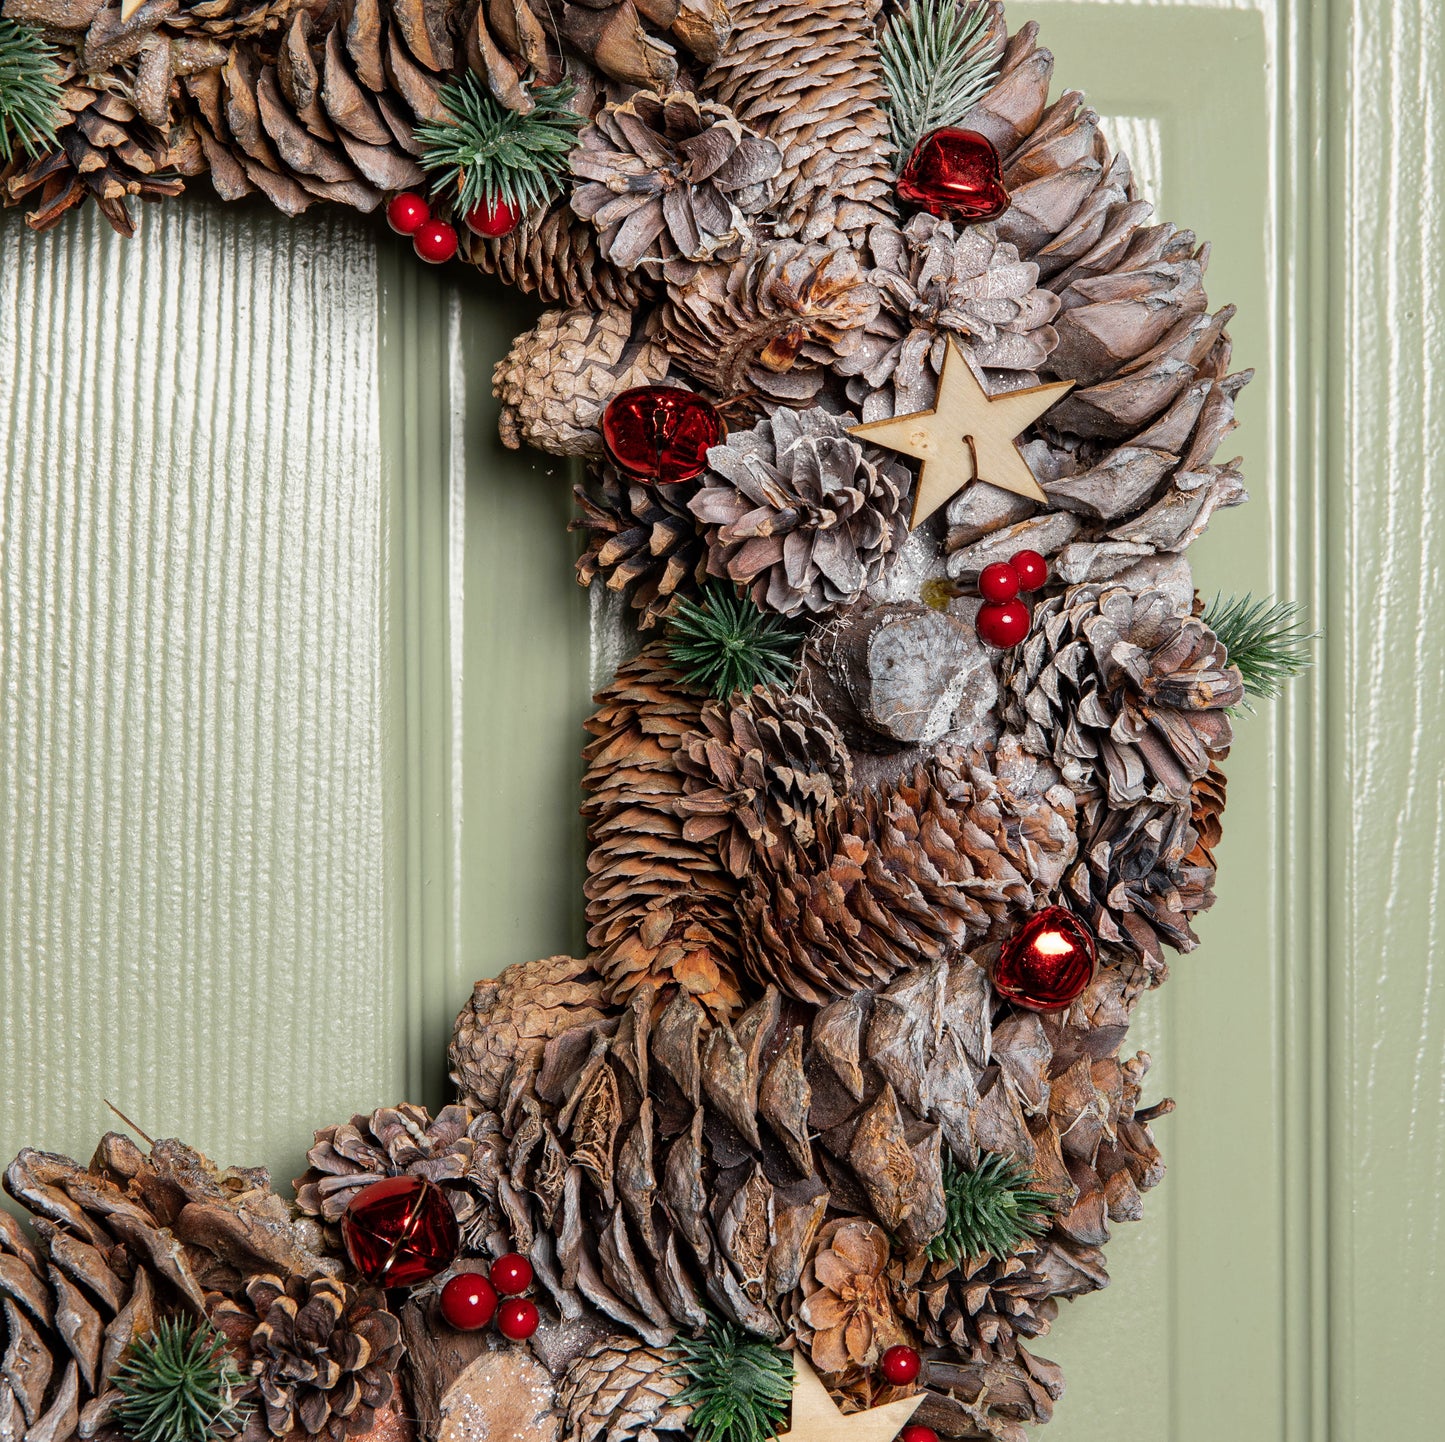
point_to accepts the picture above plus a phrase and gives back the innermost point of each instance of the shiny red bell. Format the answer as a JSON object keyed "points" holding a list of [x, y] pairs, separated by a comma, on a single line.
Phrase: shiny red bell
{"points": [[955, 174], [1048, 963], [400, 1232], [661, 434]]}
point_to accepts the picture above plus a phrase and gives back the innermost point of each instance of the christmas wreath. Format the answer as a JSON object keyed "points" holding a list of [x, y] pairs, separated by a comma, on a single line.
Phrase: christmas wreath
{"points": [[898, 414]]}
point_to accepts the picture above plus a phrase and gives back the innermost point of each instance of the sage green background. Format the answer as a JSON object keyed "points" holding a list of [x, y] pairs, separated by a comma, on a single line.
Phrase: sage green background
{"points": [[292, 672]]}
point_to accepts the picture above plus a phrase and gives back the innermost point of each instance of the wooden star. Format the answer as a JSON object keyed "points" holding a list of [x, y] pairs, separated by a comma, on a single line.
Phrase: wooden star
{"points": [[967, 436], [816, 1417]]}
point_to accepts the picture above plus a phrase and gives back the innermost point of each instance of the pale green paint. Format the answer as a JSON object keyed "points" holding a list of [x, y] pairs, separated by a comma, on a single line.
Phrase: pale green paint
{"points": [[1286, 1282]]}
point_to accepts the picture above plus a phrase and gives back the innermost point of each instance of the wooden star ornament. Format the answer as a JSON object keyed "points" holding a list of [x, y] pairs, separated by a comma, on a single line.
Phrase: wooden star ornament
{"points": [[816, 1417], [969, 435]]}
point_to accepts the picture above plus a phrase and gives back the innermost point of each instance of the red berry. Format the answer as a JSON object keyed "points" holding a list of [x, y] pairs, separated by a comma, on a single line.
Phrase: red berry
{"points": [[1032, 570], [901, 1365], [493, 218], [998, 582], [468, 1301], [1002, 623], [511, 1274], [517, 1318], [435, 242], [917, 1432], [407, 213]]}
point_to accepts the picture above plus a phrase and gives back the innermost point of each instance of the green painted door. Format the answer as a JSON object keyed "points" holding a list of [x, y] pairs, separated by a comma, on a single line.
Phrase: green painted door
{"points": [[292, 670]]}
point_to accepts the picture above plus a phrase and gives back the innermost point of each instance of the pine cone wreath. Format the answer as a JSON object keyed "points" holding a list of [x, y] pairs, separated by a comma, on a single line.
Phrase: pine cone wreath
{"points": [[800, 513], [670, 177], [759, 333], [504, 1027], [557, 378], [659, 902], [938, 284], [1122, 693], [640, 539], [622, 1390], [324, 1354]]}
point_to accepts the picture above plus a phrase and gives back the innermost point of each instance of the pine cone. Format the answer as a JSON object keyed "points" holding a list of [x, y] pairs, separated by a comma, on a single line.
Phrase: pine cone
{"points": [[659, 905], [845, 1315], [509, 1019], [324, 1355], [622, 1390], [762, 330], [393, 1141], [1122, 693], [765, 773], [1134, 882], [800, 512], [641, 539], [807, 75], [984, 1303], [938, 284], [668, 176], [1207, 812], [557, 378], [554, 256]]}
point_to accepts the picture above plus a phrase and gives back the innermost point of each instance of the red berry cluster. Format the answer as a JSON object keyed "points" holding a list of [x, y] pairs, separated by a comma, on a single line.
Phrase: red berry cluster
{"points": [[469, 1300], [433, 239], [1003, 620]]}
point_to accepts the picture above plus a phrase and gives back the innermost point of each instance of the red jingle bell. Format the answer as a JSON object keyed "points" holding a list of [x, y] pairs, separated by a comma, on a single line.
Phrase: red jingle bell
{"points": [[660, 434], [1048, 963], [407, 212], [1031, 568], [400, 1231], [517, 1319], [469, 1301], [511, 1274], [901, 1365], [493, 218], [954, 174], [917, 1432], [1002, 623]]}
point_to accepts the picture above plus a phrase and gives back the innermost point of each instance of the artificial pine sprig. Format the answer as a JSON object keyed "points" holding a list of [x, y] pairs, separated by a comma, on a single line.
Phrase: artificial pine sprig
{"points": [[487, 153], [726, 643], [937, 62], [1265, 639], [738, 1386], [180, 1385], [993, 1207], [29, 91]]}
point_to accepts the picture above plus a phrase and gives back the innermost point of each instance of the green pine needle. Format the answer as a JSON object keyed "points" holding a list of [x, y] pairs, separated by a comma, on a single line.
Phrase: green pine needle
{"points": [[1265, 639], [29, 91], [937, 63], [994, 1208], [726, 643], [180, 1385], [487, 153], [739, 1387]]}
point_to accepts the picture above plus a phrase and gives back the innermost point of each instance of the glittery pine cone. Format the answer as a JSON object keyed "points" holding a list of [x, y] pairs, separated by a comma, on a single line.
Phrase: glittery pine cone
{"points": [[800, 513]]}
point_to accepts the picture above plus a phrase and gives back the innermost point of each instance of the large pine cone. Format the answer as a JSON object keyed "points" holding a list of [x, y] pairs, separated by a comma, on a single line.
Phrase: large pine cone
{"points": [[393, 1141], [641, 539], [806, 74], [502, 1030], [761, 331], [1122, 693], [800, 513], [624, 1391], [557, 378], [659, 903], [669, 176], [937, 284], [324, 1354]]}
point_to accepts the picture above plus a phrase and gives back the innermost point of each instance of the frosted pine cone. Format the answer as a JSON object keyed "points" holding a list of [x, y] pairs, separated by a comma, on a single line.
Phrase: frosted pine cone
{"points": [[1121, 692], [938, 284], [800, 512], [557, 378], [668, 176]]}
